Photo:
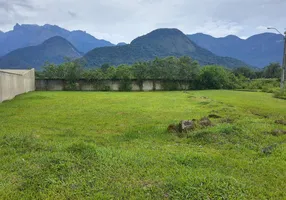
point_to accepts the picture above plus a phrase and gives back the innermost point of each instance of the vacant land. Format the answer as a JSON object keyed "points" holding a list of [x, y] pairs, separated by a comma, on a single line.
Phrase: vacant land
{"points": [[88, 145]]}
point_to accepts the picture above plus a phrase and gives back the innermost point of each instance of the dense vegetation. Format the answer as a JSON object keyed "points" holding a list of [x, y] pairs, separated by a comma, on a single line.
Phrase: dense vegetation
{"points": [[172, 68], [102, 145]]}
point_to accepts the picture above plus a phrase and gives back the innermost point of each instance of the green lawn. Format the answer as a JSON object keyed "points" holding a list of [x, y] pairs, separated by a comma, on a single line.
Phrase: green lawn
{"points": [[93, 145]]}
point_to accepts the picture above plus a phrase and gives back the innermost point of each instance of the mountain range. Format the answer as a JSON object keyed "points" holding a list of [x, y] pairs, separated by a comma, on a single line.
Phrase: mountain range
{"points": [[54, 50], [30, 35], [158, 43], [258, 50], [232, 51]]}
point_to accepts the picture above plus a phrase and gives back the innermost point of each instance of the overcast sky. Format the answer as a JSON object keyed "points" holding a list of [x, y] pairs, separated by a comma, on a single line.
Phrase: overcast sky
{"points": [[124, 20]]}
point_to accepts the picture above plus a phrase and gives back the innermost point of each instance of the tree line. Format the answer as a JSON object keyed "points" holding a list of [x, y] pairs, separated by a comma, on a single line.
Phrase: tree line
{"points": [[170, 68]]}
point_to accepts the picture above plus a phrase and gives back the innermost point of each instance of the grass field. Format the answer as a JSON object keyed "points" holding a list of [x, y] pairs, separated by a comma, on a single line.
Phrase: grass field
{"points": [[92, 145]]}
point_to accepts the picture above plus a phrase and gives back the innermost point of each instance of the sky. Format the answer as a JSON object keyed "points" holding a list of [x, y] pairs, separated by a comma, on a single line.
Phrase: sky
{"points": [[124, 20]]}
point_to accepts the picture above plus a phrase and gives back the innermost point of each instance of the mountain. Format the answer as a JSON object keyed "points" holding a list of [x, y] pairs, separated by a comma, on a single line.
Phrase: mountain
{"points": [[53, 50], [158, 43], [258, 50], [30, 35], [1, 35], [121, 44]]}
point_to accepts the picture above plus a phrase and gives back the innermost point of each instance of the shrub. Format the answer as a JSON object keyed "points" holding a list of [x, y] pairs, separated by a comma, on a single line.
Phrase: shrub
{"points": [[125, 85], [265, 85], [71, 86], [281, 94], [170, 85], [215, 77], [100, 85]]}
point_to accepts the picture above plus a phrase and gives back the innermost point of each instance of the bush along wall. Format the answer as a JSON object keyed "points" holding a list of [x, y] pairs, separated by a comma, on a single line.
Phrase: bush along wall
{"points": [[178, 72]]}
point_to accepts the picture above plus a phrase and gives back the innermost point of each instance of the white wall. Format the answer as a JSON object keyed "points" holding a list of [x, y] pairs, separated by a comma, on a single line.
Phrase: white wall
{"points": [[15, 82]]}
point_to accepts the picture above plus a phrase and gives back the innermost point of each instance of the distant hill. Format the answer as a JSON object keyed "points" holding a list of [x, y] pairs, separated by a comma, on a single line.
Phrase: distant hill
{"points": [[29, 35], [53, 50], [258, 50], [158, 43], [121, 44]]}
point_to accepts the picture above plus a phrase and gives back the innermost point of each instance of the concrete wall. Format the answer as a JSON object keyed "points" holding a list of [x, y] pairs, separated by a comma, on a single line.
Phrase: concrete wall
{"points": [[15, 82], [108, 85]]}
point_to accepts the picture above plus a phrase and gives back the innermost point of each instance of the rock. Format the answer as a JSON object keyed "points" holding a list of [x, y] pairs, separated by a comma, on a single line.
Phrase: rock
{"points": [[205, 122], [173, 128], [268, 150], [283, 122], [214, 116], [187, 125], [278, 132]]}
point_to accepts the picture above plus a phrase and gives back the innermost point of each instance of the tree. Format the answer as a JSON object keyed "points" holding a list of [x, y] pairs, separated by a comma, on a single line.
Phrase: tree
{"points": [[188, 70], [72, 71], [51, 71], [93, 74], [245, 71], [110, 73], [124, 72], [156, 68], [214, 77], [141, 70], [166, 68], [105, 67], [273, 70], [170, 70]]}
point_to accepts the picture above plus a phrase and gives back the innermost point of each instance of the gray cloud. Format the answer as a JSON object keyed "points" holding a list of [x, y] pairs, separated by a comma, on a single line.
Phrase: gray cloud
{"points": [[11, 10], [72, 14], [123, 20], [12, 5]]}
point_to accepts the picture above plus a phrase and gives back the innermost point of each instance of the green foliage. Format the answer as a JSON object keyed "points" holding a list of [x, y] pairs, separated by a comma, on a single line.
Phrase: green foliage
{"points": [[170, 85], [100, 85], [141, 70], [281, 94], [71, 86], [105, 67], [265, 85], [70, 71], [215, 77], [179, 70], [93, 74], [188, 70], [51, 71], [272, 71], [245, 71], [125, 85], [124, 72]]}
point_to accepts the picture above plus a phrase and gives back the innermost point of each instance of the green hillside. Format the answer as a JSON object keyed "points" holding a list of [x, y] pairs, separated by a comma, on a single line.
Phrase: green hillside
{"points": [[54, 50], [158, 43]]}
